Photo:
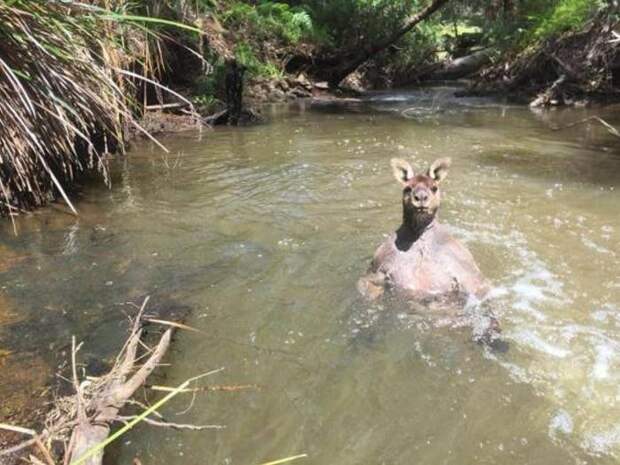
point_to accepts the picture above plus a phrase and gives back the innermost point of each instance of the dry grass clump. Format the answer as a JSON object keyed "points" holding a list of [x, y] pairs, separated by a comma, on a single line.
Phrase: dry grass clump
{"points": [[65, 94]]}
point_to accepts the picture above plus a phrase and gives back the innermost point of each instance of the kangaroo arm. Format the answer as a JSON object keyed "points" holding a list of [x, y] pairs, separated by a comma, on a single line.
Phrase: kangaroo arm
{"points": [[372, 286]]}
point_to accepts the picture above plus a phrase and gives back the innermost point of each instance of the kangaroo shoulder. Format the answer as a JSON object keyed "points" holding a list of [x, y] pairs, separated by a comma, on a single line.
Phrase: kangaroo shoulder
{"points": [[383, 252]]}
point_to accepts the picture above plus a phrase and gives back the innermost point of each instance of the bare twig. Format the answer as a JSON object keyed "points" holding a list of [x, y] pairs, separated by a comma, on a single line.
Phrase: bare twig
{"points": [[81, 409], [612, 130], [164, 106], [173, 324], [18, 429], [17, 447], [44, 451], [166, 424], [226, 388]]}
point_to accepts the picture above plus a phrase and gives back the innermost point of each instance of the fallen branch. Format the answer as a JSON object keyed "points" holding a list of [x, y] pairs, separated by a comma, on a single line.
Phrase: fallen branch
{"points": [[286, 460], [18, 429], [610, 129], [345, 66], [93, 454], [46, 453], [551, 96], [82, 421], [17, 448]]}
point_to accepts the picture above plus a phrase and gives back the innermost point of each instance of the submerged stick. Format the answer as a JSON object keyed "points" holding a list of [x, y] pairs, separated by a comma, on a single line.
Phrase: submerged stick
{"points": [[610, 129], [226, 388], [167, 424], [286, 460], [44, 451]]}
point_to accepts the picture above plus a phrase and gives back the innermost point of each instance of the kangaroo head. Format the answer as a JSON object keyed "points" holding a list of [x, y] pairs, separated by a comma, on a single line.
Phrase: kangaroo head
{"points": [[421, 192]]}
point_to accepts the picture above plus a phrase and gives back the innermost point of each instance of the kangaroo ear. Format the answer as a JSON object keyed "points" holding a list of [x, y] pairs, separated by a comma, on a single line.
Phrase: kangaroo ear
{"points": [[439, 169], [402, 170]]}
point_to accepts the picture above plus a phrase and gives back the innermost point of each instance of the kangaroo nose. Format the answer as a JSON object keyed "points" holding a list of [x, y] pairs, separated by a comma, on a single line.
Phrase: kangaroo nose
{"points": [[420, 196]]}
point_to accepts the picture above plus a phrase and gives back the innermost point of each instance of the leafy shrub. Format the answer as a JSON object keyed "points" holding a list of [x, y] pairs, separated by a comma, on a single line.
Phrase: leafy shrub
{"points": [[245, 55], [270, 21], [212, 84], [530, 20], [358, 23], [566, 15]]}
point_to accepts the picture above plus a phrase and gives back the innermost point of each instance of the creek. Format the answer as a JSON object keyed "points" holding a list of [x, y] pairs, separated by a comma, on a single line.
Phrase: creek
{"points": [[263, 231]]}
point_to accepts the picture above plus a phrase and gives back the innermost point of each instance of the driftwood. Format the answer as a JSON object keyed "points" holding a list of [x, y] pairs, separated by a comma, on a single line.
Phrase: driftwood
{"points": [[450, 69], [463, 66], [552, 96], [94, 428], [83, 420]]}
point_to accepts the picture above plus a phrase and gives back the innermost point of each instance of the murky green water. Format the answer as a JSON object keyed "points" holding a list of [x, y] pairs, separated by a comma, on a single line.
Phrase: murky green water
{"points": [[264, 231]]}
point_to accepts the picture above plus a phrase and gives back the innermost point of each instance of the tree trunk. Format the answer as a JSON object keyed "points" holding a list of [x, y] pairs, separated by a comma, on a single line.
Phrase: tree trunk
{"points": [[336, 74], [234, 91], [461, 67]]}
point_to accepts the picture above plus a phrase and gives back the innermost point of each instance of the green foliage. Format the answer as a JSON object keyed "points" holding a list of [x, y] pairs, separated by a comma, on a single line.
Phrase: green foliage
{"points": [[211, 84], [269, 21], [565, 16], [352, 24], [414, 49], [528, 21], [288, 23], [271, 70], [245, 55], [206, 103], [345, 27]]}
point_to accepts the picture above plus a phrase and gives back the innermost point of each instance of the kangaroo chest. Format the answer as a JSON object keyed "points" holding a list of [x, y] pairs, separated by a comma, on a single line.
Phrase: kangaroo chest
{"points": [[419, 271], [423, 268]]}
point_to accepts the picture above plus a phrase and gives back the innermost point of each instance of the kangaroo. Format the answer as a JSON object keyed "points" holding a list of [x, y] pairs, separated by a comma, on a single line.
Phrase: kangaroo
{"points": [[421, 260]]}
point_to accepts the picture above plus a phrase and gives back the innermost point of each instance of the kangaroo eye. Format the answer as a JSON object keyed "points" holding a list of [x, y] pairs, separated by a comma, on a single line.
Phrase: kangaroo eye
{"points": [[407, 190], [434, 189]]}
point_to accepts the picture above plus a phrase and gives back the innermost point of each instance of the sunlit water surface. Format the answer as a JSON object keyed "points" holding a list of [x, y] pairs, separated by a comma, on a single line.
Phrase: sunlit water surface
{"points": [[263, 232]]}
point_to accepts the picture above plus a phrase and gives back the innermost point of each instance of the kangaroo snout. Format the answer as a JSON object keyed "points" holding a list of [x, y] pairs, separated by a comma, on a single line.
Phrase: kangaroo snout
{"points": [[420, 197]]}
